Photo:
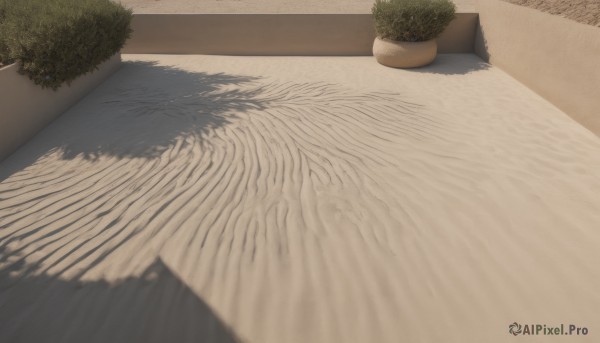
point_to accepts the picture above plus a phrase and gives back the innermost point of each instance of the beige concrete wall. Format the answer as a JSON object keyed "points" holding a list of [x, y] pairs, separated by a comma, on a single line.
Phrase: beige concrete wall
{"points": [[274, 34], [556, 57], [25, 108]]}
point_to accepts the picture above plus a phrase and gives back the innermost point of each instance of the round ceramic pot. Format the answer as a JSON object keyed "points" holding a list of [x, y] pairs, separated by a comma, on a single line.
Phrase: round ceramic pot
{"points": [[404, 54]]}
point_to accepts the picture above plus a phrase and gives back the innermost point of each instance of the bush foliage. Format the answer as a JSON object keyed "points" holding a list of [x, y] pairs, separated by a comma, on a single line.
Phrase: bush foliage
{"points": [[412, 20], [55, 41]]}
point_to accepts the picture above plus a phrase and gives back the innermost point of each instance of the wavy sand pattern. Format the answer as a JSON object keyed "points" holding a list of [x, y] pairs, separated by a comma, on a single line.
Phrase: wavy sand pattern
{"points": [[240, 199]]}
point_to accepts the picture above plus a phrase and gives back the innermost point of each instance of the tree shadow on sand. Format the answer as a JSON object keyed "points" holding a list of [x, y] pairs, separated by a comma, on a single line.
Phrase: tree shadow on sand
{"points": [[145, 108], [140, 112], [154, 307]]}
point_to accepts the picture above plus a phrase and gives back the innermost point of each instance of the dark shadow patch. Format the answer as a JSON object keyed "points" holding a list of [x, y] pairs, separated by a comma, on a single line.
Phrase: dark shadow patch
{"points": [[154, 307]]}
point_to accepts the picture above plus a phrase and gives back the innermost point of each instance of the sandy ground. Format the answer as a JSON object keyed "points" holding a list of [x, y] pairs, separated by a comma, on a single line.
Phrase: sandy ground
{"points": [[583, 11], [295, 199], [263, 6]]}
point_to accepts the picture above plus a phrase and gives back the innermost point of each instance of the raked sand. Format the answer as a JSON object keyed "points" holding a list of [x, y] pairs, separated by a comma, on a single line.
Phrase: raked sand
{"points": [[296, 199]]}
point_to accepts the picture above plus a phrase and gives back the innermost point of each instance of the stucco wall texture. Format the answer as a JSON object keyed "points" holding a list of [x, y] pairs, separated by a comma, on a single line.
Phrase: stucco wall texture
{"points": [[557, 58]]}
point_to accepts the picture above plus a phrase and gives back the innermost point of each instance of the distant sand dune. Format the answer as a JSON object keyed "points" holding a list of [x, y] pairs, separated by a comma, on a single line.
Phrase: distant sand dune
{"points": [[583, 11], [231, 199]]}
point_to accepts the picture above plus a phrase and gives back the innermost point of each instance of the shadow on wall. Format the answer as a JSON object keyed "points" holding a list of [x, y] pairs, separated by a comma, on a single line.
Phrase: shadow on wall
{"points": [[141, 111], [481, 47], [155, 307]]}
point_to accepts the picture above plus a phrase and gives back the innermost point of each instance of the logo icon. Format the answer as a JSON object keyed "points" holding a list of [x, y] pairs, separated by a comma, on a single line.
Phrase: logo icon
{"points": [[515, 328]]}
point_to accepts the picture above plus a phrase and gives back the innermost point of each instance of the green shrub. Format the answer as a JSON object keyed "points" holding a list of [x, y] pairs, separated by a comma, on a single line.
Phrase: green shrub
{"points": [[412, 20], [55, 41]]}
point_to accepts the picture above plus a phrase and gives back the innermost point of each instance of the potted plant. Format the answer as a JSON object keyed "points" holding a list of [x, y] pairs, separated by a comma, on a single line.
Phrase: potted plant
{"points": [[407, 29]]}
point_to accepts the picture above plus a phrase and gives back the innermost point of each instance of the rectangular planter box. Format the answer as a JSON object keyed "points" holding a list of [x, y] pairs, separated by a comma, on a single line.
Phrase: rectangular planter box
{"points": [[26, 108], [253, 34], [556, 57]]}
